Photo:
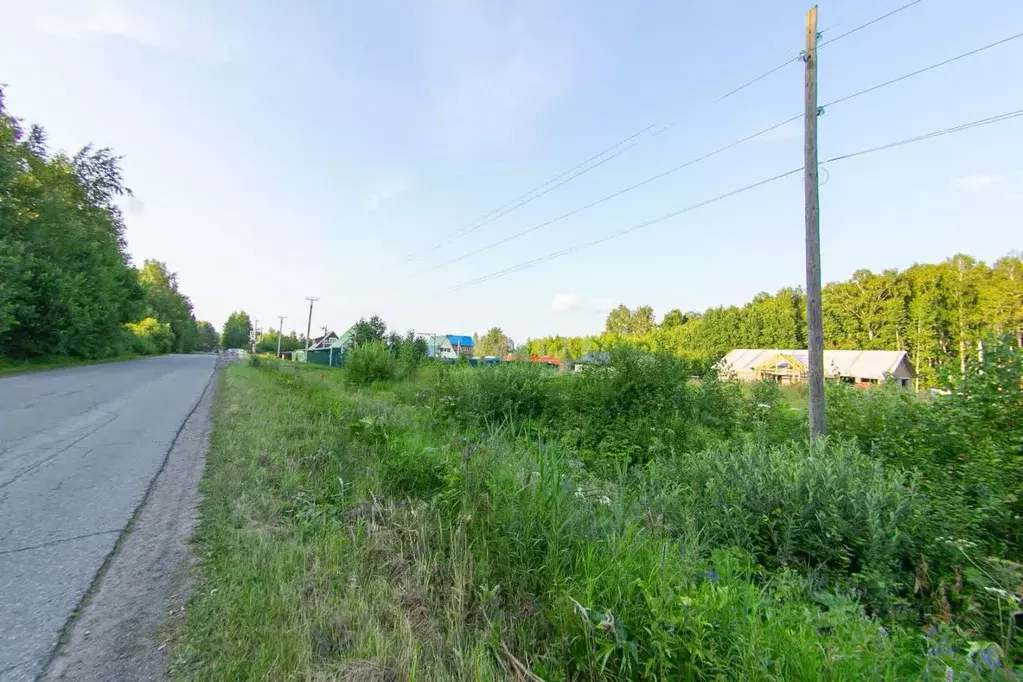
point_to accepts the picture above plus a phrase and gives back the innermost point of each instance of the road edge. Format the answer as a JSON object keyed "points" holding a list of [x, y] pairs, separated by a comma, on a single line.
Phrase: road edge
{"points": [[56, 666]]}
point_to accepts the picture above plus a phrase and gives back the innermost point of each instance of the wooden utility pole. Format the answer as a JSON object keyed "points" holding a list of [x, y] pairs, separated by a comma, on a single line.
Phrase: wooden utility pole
{"points": [[814, 317], [309, 323]]}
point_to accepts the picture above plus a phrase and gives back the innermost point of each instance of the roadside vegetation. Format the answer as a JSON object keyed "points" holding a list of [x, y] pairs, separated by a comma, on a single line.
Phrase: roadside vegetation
{"points": [[397, 521], [68, 290]]}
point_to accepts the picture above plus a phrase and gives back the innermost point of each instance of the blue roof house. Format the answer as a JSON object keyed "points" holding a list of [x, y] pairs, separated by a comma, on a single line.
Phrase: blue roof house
{"points": [[450, 346]]}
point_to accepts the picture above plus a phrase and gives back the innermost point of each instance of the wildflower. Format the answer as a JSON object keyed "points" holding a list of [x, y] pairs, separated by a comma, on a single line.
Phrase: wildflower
{"points": [[883, 631], [579, 494], [712, 576], [604, 499]]}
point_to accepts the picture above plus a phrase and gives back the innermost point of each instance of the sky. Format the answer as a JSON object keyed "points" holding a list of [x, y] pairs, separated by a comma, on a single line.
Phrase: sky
{"points": [[341, 149]]}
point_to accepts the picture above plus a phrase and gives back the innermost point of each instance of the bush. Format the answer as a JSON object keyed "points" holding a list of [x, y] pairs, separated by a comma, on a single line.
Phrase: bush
{"points": [[822, 505], [370, 362], [151, 336], [482, 395]]}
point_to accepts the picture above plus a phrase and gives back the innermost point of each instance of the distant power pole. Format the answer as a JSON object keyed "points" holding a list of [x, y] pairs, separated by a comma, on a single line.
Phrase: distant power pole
{"points": [[814, 317], [309, 324], [280, 333]]}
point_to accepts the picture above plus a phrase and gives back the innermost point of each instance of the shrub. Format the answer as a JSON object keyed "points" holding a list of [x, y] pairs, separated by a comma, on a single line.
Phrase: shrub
{"points": [[151, 336], [823, 505], [481, 395], [370, 362]]}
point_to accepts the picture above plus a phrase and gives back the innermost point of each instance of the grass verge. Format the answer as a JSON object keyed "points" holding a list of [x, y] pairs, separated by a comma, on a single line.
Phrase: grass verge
{"points": [[361, 535]]}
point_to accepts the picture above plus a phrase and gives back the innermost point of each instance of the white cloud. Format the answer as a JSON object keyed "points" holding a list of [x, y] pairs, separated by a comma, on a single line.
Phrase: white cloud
{"points": [[977, 181], [565, 302], [101, 17], [159, 27]]}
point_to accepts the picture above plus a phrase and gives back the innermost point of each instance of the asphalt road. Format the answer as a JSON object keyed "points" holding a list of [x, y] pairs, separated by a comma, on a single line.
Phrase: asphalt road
{"points": [[79, 449]]}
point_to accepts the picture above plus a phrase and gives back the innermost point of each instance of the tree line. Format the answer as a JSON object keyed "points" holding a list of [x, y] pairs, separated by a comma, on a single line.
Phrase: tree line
{"points": [[67, 284], [937, 312]]}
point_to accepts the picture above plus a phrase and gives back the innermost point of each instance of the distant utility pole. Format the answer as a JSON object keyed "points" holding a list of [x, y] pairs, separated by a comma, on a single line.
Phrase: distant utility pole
{"points": [[280, 333], [309, 324], [814, 317]]}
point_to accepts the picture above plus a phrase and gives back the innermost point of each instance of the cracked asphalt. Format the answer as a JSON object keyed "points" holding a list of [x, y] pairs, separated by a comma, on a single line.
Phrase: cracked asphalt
{"points": [[79, 450]]}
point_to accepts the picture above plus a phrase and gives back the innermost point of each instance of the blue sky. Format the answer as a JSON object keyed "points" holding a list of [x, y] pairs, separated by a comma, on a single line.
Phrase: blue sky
{"points": [[279, 150]]}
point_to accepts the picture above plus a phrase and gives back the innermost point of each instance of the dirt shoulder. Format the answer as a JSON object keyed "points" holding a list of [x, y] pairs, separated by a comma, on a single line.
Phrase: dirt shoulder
{"points": [[115, 635]]}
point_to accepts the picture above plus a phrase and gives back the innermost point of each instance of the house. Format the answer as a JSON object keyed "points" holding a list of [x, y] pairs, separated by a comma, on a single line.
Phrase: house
{"points": [[449, 346], [861, 367], [592, 359], [323, 341]]}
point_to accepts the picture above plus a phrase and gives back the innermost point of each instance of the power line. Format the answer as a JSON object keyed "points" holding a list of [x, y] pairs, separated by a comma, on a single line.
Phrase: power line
{"points": [[578, 247], [717, 151], [516, 204], [869, 23], [927, 136], [926, 69], [619, 192], [572, 174]]}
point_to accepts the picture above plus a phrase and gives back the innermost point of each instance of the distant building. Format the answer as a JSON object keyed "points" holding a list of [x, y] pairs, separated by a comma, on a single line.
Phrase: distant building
{"points": [[861, 367], [592, 359], [449, 346], [323, 341]]}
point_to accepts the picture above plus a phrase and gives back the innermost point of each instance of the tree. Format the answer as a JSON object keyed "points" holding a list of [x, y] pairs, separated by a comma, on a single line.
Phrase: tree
{"points": [[67, 285], [166, 303], [494, 343], [152, 336], [672, 319], [268, 342], [236, 331], [643, 321], [206, 336], [373, 329], [619, 321]]}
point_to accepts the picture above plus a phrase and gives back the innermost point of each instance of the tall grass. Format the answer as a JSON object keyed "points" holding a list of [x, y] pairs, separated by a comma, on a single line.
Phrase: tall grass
{"points": [[626, 523]]}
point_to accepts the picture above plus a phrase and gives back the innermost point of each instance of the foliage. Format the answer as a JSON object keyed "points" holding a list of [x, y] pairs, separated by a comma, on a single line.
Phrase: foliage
{"points": [[162, 300], [827, 505], [206, 338], [151, 336], [373, 329], [492, 344], [502, 553], [370, 362], [416, 473], [486, 395], [67, 287], [935, 312], [236, 331], [268, 342]]}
